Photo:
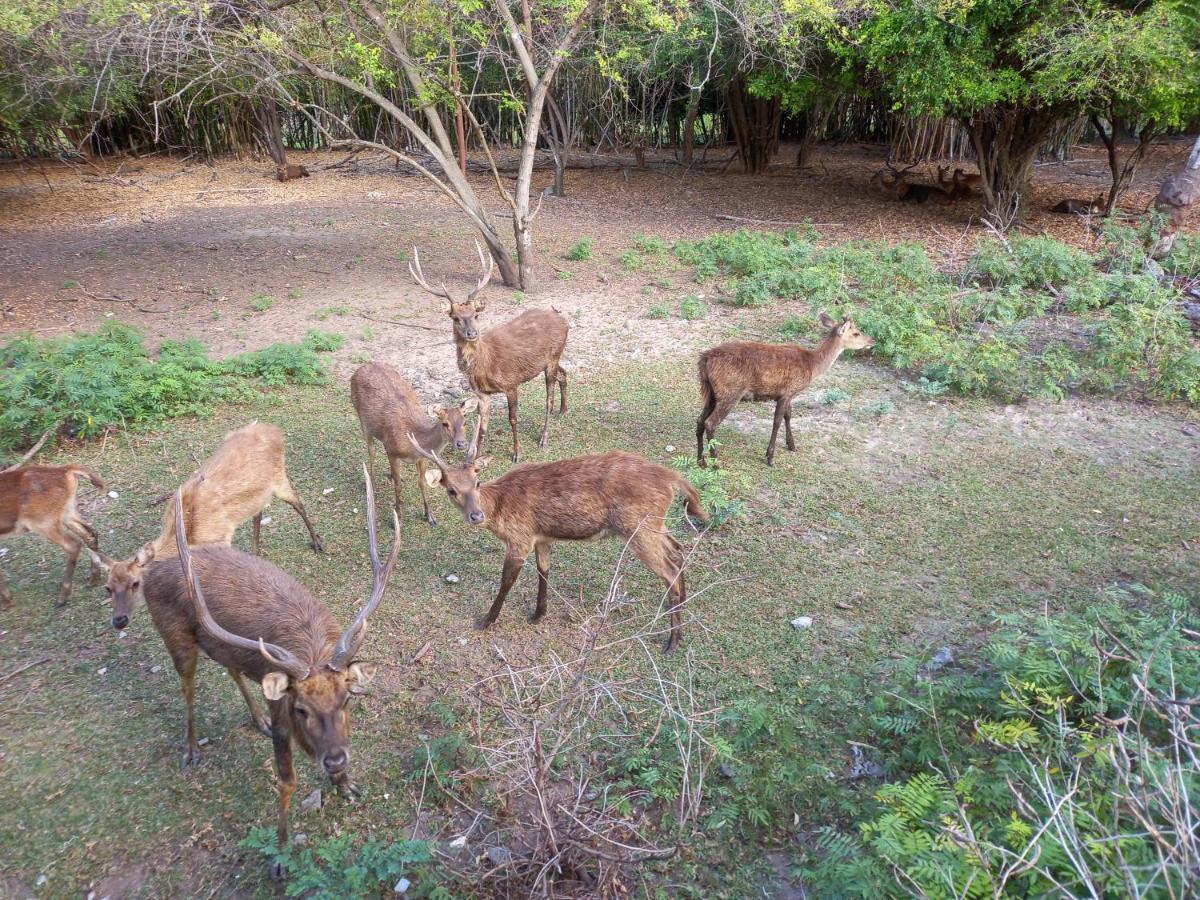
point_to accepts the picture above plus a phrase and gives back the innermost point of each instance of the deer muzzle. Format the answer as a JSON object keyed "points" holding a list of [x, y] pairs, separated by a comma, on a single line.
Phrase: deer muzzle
{"points": [[335, 762]]}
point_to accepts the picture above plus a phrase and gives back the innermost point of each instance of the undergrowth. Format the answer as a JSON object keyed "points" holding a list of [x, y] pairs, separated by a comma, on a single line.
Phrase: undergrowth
{"points": [[83, 384], [1026, 317]]}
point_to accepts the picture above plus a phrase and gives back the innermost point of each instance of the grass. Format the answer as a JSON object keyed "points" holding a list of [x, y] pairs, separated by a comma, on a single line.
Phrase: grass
{"points": [[925, 523]]}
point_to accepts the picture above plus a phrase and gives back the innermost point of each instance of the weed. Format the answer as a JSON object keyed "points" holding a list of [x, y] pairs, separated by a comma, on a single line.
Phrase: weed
{"points": [[692, 307], [658, 311], [718, 488], [832, 396], [581, 250], [518, 297], [325, 312], [878, 408], [367, 333], [295, 294], [631, 261], [70, 285], [563, 275], [260, 303]]}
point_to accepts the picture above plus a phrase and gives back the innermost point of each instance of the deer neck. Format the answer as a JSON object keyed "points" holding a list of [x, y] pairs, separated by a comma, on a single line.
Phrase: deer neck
{"points": [[825, 354], [471, 355], [429, 434]]}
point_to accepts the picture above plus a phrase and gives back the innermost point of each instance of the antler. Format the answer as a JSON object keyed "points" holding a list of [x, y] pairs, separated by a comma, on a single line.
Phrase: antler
{"points": [[414, 268], [276, 655], [427, 454], [351, 638], [473, 447], [486, 265]]}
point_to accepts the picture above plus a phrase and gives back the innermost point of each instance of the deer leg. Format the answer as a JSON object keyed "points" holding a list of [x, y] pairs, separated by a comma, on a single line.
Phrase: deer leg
{"points": [[83, 530], [5, 593], [424, 496], [512, 423], [542, 550], [561, 377], [72, 548], [257, 717], [787, 424], [780, 408], [185, 664], [289, 496], [544, 437], [485, 416], [512, 568], [256, 543], [709, 405], [658, 553], [721, 411], [285, 776]]}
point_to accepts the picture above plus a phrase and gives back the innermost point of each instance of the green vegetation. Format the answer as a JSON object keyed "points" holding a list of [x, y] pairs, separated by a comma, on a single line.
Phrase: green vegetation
{"points": [[84, 384], [260, 303], [658, 311], [997, 328], [692, 307], [581, 250]]}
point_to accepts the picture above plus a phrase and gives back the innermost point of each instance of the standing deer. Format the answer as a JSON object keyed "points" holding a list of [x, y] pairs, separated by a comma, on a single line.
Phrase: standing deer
{"points": [[389, 409], [741, 370], [232, 485], [605, 495], [41, 499], [509, 355], [258, 622]]}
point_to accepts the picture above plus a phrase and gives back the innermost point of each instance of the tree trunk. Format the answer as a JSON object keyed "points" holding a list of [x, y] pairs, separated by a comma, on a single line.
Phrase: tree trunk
{"points": [[460, 125], [1122, 173], [1006, 142], [267, 114], [1176, 196], [755, 126], [689, 127]]}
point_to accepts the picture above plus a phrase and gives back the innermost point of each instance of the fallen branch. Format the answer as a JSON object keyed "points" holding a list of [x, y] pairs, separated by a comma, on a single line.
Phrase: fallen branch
{"points": [[200, 194], [361, 315], [15, 672], [776, 222], [33, 450]]}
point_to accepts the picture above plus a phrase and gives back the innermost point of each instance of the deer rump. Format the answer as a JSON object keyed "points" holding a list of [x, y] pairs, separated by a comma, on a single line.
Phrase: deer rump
{"points": [[279, 609]]}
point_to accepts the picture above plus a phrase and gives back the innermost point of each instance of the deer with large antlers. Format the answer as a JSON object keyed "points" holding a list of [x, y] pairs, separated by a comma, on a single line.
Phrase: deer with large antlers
{"points": [[604, 495], [509, 355], [261, 624], [41, 500], [235, 483]]}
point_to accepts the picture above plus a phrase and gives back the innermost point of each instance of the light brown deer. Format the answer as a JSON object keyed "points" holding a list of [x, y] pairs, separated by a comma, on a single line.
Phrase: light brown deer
{"points": [[289, 171], [509, 355], [960, 186], [258, 622], [42, 500], [905, 191], [1080, 207], [235, 483], [741, 370], [389, 409], [605, 495]]}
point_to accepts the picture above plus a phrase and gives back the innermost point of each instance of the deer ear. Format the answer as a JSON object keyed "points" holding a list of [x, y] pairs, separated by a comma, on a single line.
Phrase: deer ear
{"points": [[145, 555], [359, 675], [469, 405], [827, 322], [433, 477], [275, 685], [482, 463], [435, 410], [480, 305]]}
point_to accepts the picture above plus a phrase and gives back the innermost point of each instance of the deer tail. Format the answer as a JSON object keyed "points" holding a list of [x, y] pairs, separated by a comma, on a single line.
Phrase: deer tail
{"points": [[90, 473], [692, 500]]}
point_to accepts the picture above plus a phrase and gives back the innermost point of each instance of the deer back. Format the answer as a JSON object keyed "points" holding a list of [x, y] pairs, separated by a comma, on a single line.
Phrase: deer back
{"points": [[36, 494], [757, 370], [246, 595], [511, 354], [387, 407]]}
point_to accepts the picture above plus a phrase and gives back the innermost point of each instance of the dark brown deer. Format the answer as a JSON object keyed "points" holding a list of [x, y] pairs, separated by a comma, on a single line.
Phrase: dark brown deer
{"points": [[959, 186], [741, 370], [235, 483], [42, 500], [1080, 207], [289, 171], [605, 495], [389, 409], [509, 355], [905, 191], [260, 623]]}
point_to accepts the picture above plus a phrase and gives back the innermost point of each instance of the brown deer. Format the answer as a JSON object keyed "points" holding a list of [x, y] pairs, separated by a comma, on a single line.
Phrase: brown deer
{"points": [[741, 370], [959, 186], [258, 622], [41, 499], [289, 171], [232, 485], [605, 495], [903, 190], [1080, 207], [509, 355], [389, 409]]}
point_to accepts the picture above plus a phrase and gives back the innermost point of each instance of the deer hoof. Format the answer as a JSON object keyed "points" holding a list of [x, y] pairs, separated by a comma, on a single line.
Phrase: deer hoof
{"points": [[347, 790], [6, 601], [318, 545], [671, 644], [263, 726], [96, 579], [61, 601], [543, 442], [190, 757], [536, 616], [483, 623], [431, 520], [516, 457]]}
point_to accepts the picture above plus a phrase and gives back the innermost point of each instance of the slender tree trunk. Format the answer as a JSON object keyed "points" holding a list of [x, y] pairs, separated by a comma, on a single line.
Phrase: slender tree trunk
{"points": [[1176, 196], [755, 125], [460, 125], [267, 114], [689, 126], [1122, 173], [1006, 142]]}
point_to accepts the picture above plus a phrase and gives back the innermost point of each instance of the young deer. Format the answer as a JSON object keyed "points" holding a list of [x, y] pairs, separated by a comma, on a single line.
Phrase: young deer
{"points": [[606, 495], [232, 485], [1080, 207], [260, 623], [41, 499], [509, 355], [388, 409], [741, 370]]}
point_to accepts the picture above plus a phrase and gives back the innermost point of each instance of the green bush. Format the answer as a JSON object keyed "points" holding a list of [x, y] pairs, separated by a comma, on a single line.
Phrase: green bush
{"points": [[1027, 262], [1184, 259], [692, 307], [83, 384], [581, 250]]}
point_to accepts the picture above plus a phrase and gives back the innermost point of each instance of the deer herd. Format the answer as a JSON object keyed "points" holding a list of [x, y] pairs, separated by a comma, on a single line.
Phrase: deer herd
{"points": [[262, 625], [955, 186]]}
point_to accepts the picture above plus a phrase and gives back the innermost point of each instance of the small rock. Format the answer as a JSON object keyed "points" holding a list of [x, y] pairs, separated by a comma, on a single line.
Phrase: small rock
{"points": [[3, 551], [459, 842], [1190, 430], [113, 494], [300, 839], [154, 670], [940, 660], [726, 769], [840, 605], [201, 742], [670, 448], [402, 886], [266, 520], [326, 492], [41, 879], [355, 510], [462, 642], [311, 802], [802, 622], [102, 670], [122, 634], [451, 578], [499, 856]]}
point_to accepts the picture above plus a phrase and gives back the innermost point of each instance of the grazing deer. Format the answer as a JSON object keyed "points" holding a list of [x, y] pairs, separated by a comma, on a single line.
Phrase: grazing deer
{"points": [[900, 188], [232, 485], [389, 409], [741, 370], [258, 622], [509, 355], [1080, 207], [605, 495], [41, 499], [289, 171]]}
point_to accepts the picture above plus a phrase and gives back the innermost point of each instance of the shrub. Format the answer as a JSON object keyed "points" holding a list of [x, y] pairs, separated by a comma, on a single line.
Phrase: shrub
{"points": [[581, 250], [658, 311], [717, 488], [261, 303], [1027, 262], [692, 307]]}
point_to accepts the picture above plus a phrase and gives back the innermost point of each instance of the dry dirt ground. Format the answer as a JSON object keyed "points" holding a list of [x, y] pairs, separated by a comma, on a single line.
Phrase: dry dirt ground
{"points": [[187, 248]]}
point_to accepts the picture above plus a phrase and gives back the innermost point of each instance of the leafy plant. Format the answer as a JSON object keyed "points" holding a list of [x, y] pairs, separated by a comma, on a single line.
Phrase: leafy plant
{"points": [[692, 307], [658, 311], [260, 303], [718, 488], [581, 250]]}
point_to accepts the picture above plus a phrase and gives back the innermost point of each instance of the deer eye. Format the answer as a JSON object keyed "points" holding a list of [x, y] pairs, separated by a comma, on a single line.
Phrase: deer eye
{"points": [[136, 585], [452, 492], [302, 712]]}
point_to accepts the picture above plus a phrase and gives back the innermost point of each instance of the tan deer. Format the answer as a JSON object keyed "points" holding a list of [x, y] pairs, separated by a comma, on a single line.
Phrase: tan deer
{"points": [[741, 370], [235, 483], [254, 619], [905, 191], [42, 500], [389, 409], [960, 186], [509, 355], [604, 495], [1080, 207]]}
